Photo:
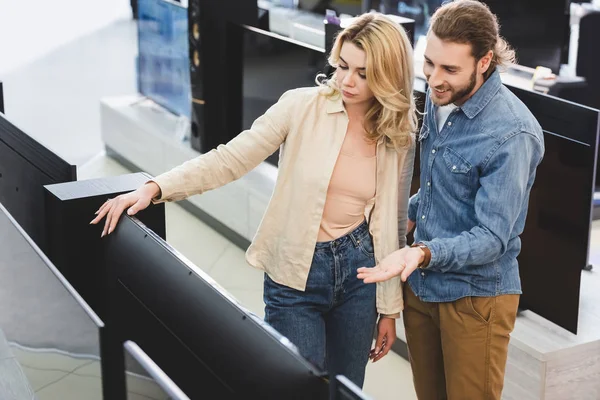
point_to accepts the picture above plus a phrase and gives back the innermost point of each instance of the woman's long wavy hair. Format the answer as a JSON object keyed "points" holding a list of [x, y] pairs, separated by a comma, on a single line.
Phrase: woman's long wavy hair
{"points": [[390, 75]]}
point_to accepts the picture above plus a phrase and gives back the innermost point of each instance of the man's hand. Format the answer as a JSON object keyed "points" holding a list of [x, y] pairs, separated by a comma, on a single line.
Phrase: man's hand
{"points": [[414, 258], [386, 335], [401, 262]]}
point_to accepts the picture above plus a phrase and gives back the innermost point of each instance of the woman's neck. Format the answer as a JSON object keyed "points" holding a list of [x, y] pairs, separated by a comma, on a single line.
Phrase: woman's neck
{"points": [[357, 111]]}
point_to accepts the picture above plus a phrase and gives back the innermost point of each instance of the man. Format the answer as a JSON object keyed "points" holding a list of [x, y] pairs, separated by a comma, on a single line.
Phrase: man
{"points": [[480, 147]]}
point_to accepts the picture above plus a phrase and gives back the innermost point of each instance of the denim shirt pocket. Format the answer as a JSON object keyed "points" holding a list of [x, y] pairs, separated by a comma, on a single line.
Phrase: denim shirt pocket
{"points": [[460, 172]]}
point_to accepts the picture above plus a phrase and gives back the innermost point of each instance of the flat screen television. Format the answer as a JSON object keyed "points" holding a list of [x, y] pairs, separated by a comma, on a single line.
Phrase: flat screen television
{"points": [[350, 7], [163, 55], [556, 239], [53, 335], [273, 64], [418, 10], [25, 167], [194, 330], [538, 30]]}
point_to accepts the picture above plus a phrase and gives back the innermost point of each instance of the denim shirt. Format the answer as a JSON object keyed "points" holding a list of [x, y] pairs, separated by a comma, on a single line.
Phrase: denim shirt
{"points": [[476, 175]]}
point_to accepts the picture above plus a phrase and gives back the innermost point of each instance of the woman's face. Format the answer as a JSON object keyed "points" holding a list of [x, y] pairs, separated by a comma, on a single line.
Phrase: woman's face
{"points": [[351, 75]]}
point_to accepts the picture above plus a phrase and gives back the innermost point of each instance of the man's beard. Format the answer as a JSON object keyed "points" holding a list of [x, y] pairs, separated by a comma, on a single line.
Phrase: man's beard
{"points": [[458, 94]]}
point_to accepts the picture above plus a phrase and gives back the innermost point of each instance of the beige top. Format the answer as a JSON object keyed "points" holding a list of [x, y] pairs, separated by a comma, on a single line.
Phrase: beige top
{"points": [[352, 186], [310, 128]]}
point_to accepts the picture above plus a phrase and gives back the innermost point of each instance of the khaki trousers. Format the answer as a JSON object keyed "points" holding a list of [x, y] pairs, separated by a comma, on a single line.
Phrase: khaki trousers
{"points": [[458, 349]]}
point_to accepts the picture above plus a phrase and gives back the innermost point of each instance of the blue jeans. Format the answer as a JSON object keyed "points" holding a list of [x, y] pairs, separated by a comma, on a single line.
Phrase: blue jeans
{"points": [[332, 322]]}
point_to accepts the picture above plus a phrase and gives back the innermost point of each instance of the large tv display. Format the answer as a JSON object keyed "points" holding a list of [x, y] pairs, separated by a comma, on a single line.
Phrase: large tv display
{"points": [[25, 167], [350, 7], [538, 30], [418, 10], [556, 239], [273, 64], [195, 331], [163, 59]]}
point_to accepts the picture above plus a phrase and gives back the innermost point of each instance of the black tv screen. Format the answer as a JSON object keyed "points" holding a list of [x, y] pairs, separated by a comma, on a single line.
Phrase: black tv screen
{"points": [[418, 10], [539, 30], [193, 330], [25, 167], [50, 331], [350, 7], [556, 239], [273, 64]]}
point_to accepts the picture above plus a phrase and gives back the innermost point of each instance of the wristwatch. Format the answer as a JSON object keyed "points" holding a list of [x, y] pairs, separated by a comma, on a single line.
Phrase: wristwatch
{"points": [[426, 255]]}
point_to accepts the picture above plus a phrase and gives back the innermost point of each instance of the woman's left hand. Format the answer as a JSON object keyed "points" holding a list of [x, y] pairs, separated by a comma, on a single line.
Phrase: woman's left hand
{"points": [[386, 336]]}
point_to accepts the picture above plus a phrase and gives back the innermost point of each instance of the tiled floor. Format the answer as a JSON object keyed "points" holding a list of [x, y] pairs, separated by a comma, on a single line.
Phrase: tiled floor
{"points": [[55, 376]]}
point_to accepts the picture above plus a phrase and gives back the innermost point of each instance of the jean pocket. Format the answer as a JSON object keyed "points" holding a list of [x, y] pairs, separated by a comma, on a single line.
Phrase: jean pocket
{"points": [[365, 244]]}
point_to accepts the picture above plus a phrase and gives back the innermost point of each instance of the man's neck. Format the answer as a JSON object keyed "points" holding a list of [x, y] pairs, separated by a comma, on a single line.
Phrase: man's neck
{"points": [[480, 80]]}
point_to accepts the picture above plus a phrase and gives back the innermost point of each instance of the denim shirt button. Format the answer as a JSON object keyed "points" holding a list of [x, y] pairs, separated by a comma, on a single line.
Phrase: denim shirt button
{"points": [[433, 151], [422, 273], [422, 217], [450, 123]]}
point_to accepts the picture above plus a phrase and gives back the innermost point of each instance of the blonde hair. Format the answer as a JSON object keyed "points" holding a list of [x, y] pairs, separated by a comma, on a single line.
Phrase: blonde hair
{"points": [[389, 72]]}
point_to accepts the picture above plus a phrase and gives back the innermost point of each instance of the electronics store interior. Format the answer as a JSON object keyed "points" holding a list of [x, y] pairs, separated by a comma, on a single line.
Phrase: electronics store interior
{"points": [[99, 97]]}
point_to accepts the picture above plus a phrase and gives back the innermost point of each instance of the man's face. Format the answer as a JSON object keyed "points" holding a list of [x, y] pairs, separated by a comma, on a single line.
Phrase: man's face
{"points": [[451, 71]]}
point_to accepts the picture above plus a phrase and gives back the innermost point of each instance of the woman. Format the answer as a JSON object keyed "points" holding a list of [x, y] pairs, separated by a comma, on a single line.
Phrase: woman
{"points": [[342, 191]]}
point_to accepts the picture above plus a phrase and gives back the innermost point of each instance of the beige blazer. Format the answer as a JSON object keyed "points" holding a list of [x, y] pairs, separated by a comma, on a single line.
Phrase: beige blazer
{"points": [[309, 129]]}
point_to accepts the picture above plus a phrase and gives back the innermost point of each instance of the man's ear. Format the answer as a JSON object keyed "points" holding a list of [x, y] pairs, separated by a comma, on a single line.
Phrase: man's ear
{"points": [[484, 62]]}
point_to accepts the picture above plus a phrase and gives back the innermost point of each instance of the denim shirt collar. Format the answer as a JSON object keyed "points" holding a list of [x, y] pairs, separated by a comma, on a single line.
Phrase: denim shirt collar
{"points": [[483, 96]]}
